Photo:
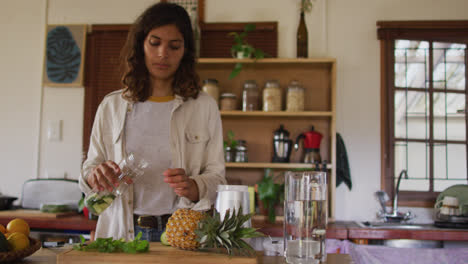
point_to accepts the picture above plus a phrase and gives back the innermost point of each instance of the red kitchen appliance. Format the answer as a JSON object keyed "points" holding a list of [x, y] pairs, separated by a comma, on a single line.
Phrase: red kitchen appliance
{"points": [[311, 146]]}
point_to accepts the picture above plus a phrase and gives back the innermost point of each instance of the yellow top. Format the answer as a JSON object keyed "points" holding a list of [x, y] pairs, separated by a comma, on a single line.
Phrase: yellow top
{"points": [[161, 99]]}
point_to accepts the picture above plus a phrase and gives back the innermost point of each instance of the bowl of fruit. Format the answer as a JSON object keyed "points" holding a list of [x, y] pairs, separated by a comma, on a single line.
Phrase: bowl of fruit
{"points": [[15, 243]]}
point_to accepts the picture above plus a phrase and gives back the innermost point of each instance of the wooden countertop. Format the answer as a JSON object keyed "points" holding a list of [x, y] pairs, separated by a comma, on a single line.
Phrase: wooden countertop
{"points": [[75, 222], [56, 255], [443, 234], [336, 230], [351, 230]]}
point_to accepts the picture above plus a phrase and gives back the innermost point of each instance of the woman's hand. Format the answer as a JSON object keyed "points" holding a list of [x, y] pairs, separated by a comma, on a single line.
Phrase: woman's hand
{"points": [[181, 183], [104, 176]]}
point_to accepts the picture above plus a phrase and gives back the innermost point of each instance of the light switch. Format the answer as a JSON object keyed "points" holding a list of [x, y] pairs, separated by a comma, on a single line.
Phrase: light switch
{"points": [[54, 130]]}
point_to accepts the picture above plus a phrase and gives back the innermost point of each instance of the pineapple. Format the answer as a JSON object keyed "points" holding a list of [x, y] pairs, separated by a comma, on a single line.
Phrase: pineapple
{"points": [[191, 230]]}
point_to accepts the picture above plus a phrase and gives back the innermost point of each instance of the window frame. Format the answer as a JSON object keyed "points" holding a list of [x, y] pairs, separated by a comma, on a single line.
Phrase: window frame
{"points": [[387, 33]]}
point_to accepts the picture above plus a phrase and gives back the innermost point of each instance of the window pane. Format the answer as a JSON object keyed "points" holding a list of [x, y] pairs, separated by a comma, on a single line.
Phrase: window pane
{"points": [[415, 158], [411, 63], [411, 115], [457, 161], [449, 165], [449, 116], [449, 65], [440, 161]]}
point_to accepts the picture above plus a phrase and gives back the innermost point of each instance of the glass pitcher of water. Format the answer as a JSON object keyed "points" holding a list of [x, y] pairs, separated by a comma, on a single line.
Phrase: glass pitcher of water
{"points": [[305, 217]]}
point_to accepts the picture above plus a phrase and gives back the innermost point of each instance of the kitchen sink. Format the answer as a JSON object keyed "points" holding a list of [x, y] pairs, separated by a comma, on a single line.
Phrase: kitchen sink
{"points": [[389, 225]]}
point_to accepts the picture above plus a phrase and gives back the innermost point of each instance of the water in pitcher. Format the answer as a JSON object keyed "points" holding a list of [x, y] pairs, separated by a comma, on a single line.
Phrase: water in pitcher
{"points": [[305, 225]]}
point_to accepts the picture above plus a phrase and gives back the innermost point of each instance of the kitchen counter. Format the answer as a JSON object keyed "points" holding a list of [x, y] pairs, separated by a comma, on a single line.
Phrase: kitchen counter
{"points": [[336, 230], [158, 254], [356, 231], [352, 231], [74, 222]]}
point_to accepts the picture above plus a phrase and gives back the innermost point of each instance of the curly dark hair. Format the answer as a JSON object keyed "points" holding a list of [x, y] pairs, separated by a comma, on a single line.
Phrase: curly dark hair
{"points": [[135, 75]]}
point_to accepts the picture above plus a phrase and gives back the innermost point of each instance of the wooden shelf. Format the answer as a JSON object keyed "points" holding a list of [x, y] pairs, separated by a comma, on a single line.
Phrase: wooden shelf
{"points": [[276, 114], [264, 165], [318, 78], [267, 60]]}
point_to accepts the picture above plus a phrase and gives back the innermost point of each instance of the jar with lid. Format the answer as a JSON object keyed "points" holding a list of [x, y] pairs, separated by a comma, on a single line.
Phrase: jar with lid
{"points": [[250, 96], [210, 86], [272, 96], [241, 151], [228, 101], [295, 97]]}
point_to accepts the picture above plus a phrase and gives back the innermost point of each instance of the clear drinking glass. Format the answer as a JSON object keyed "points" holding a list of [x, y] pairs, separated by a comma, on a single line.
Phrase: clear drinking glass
{"points": [[305, 212], [131, 168]]}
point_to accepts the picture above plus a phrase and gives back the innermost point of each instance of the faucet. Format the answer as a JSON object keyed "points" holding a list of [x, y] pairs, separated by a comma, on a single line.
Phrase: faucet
{"points": [[396, 216]]}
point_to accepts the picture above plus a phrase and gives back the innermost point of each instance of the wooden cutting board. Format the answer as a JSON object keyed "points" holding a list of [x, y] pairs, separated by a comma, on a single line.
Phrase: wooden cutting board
{"points": [[158, 253], [25, 213]]}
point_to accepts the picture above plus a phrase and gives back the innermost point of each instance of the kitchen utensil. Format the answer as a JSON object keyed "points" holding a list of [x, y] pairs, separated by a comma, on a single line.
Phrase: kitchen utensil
{"points": [[460, 192], [311, 146], [42, 191], [6, 202], [281, 145], [305, 220], [233, 197], [383, 198]]}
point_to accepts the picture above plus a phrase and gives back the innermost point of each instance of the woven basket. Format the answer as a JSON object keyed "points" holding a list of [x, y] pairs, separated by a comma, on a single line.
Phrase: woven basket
{"points": [[34, 245]]}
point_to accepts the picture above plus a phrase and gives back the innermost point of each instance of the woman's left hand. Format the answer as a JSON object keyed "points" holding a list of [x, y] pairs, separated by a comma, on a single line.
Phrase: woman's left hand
{"points": [[181, 183]]}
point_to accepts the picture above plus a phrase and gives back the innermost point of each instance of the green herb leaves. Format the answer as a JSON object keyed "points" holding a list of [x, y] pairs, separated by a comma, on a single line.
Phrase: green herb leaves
{"points": [[110, 245]]}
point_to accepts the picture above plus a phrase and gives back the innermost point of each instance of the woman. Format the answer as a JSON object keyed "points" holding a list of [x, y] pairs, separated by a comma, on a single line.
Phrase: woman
{"points": [[162, 117]]}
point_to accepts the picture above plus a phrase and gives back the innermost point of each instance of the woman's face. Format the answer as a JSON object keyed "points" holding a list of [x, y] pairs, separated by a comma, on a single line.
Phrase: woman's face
{"points": [[164, 49]]}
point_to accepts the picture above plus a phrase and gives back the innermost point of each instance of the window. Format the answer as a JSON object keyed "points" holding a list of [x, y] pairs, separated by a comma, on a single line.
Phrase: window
{"points": [[424, 94]]}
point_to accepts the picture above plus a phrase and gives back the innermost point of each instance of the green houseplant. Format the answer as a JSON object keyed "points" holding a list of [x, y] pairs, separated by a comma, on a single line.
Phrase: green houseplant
{"points": [[270, 193], [230, 146], [242, 49]]}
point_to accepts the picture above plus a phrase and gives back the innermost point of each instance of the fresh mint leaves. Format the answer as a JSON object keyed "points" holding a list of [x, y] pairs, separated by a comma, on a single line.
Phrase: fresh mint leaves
{"points": [[110, 245]]}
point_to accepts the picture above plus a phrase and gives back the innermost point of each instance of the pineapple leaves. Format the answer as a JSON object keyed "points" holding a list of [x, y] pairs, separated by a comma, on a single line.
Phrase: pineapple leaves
{"points": [[227, 233]]}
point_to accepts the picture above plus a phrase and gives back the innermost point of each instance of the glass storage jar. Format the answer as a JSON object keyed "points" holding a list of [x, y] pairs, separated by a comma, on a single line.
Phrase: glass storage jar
{"points": [[295, 97], [228, 101], [241, 151], [272, 96], [250, 96], [210, 86]]}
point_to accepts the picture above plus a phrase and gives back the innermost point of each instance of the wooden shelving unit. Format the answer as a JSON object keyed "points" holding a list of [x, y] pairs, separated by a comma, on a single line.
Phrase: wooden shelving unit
{"points": [[275, 114], [264, 165], [317, 76]]}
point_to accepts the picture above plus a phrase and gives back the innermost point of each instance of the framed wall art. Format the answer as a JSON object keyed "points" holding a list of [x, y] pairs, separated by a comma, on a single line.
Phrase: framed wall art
{"points": [[64, 55]]}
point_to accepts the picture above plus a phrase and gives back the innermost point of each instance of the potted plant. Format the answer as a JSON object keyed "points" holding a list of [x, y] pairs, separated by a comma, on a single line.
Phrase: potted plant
{"points": [[271, 194], [242, 49], [230, 147]]}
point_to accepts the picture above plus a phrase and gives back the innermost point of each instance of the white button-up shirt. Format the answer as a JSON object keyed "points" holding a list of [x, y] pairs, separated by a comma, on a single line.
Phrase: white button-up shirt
{"points": [[196, 146]]}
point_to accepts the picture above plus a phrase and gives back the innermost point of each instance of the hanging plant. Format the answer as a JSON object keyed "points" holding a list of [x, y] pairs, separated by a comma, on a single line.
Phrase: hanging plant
{"points": [[242, 49], [306, 5]]}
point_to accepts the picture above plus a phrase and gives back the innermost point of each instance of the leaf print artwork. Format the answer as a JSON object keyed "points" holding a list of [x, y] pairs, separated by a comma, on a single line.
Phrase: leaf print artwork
{"points": [[63, 56]]}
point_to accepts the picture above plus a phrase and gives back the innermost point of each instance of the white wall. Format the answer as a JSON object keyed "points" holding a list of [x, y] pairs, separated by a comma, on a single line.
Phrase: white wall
{"points": [[342, 29], [21, 48]]}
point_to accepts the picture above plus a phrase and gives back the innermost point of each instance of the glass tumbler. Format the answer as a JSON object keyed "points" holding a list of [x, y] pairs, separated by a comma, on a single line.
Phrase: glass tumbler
{"points": [[131, 168], [305, 212]]}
